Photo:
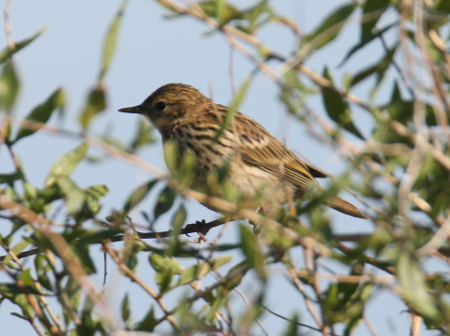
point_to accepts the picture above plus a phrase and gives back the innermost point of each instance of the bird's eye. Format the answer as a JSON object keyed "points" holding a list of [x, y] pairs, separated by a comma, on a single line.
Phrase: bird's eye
{"points": [[160, 106]]}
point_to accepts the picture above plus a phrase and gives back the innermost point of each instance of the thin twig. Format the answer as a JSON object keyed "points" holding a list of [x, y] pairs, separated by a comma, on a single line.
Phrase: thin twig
{"points": [[144, 286], [7, 24], [291, 321], [302, 290], [67, 255]]}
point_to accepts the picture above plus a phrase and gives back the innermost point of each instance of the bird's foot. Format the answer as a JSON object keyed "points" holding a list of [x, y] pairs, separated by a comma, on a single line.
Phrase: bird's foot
{"points": [[198, 226]]}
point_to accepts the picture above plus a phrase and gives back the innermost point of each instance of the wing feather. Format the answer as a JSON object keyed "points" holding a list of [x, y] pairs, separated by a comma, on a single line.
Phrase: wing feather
{"points": [[260, 149]]}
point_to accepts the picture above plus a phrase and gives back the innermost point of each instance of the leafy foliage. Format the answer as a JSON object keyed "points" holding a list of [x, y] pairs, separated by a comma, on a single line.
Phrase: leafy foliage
{"points": [[400, 169]]}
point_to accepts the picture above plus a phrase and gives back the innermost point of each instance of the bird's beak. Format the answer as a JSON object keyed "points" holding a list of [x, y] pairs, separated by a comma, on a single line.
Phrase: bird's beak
{"points": [[132, 109]]}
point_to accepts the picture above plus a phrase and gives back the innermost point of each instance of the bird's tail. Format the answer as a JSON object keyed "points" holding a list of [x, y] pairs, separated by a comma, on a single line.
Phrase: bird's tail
{"points": [[345, 207]]}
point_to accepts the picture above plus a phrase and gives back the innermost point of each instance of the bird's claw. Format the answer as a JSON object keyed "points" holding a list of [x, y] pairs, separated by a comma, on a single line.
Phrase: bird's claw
{"points": [[198, 226]]}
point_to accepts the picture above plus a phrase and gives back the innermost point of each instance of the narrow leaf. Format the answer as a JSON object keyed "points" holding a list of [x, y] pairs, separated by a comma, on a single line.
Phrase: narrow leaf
{"points": [[92, 196], [234, 106], [138, 195], [144, 135], [372, 11], [43, 112], [198, 271], [379, 68], [12, 288], [111, 40], [329, 28], [148, 322], [179, 218], [66, 164], [165, 201], [82, 252], [413, 286], [125, 308], [9, 87], [223, 11], [95, 103], [7, 53], [19, 247], [366, 40], [165, 269], [252, 251], [337, 108]]}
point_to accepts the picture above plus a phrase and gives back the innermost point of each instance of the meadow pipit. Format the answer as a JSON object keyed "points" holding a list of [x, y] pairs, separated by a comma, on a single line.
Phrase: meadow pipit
{"points": [[258, 163]]}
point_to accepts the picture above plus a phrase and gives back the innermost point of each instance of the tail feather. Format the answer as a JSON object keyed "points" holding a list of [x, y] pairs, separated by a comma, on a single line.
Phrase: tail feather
{"points": [[345, 207]]}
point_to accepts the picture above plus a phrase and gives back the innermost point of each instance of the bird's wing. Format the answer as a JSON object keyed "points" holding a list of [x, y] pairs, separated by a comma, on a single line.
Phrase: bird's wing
{"points": [[260, 149]]}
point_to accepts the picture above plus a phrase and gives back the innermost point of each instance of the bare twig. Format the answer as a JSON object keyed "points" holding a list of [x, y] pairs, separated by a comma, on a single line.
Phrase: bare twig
{"points": [[135, 278], [71, 261], [291, 321], [416, 321], [7, 24], [440, 237], [302, 290]]}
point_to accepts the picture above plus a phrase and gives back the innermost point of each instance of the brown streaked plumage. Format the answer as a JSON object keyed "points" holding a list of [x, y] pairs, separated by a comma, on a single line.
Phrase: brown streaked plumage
{"points": [[258, 162]]}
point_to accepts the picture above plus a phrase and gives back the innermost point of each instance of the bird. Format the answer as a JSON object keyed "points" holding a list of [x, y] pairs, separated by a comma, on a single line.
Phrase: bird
{"points": [[258, 165]]}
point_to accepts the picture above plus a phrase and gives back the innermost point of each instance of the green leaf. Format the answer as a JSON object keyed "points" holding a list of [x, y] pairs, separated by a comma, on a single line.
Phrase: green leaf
{"points": [[92, 196], [232, 109], [337, 108], [198, 271], [73, 291], [9, 87], [221, 10], [442, 6], [144, 135], [10, 178], [292, 328], [179, 218], [43, 270], [95, 103], [160, 263], [43, 112], [403, 110], [258, 15], [82, 252], [372, 10], [12, 288], [165, 269], [89, 237], [148, 322], [19, 247], [236, 274], [252, 250], [165, 201], [26, 278], [67, 163], [171, 155], [110, 42], [329, 28], [215, 304], [413, 286], [82, 204], [7, 53], [366, 40], [344, 302], [379, 69], [73, 194], [125, 310], [138, 195], [432, 184]]}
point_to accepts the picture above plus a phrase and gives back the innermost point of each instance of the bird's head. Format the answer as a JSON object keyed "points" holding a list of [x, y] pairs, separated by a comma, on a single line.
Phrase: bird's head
{"points": [[170, 104]]}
